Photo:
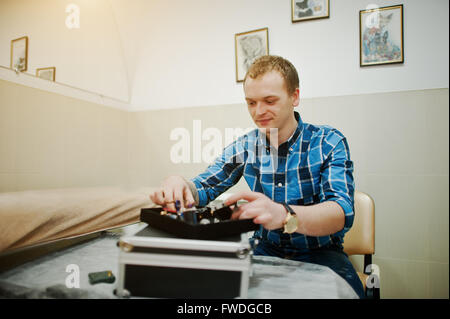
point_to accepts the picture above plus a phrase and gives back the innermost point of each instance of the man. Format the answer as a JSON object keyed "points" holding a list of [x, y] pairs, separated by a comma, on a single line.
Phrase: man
{"points": [[301, 176]]}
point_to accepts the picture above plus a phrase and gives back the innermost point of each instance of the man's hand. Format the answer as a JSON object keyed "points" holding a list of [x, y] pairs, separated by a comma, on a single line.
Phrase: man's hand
{"points": [[262, 209], [172, 189]]}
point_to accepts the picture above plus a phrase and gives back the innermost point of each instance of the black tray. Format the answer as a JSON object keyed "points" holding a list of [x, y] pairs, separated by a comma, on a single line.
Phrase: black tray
{"points": [[184, 229]]}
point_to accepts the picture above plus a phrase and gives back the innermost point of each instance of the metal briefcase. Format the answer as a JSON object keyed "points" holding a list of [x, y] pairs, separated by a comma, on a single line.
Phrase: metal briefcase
{"points": [[156, 264]]}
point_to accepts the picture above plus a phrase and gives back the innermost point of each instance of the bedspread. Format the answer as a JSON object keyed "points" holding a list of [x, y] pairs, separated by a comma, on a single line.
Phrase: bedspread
{"points": [[32, 217]]}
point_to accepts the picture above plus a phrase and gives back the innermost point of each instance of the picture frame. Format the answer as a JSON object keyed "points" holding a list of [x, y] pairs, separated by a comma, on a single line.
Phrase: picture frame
{"points": [[19, 54], [381, 36], [249, 46], [46, 73], [302, 10]]}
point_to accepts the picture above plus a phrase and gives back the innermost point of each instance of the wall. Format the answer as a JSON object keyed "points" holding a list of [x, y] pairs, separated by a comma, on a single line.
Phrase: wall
{"points": [[190, 60], [175, 54], [398, 141], [48, 140], [176, 65], [89, 58], [399, 144], [395, 117]]}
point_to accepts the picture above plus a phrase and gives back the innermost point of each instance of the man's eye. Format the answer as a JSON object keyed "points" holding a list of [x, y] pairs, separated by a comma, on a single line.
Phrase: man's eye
{"points": [[251, 103], [270, 102]]}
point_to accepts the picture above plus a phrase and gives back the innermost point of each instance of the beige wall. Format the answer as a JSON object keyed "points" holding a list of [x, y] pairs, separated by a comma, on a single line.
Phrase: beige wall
{"points": [[49, 140], [398, 141]]}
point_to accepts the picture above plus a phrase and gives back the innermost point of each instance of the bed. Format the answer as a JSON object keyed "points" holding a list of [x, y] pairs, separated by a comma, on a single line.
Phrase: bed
{"points": [[33, 223]]}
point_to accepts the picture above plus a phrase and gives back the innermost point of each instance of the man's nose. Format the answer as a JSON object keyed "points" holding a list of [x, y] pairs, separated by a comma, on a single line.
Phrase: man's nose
{"points": [[260, 108]]}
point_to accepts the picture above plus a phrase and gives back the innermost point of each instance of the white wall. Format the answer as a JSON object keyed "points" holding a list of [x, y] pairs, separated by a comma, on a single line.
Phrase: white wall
{"points": [[169, 54], [89, 58], [189, 58]]}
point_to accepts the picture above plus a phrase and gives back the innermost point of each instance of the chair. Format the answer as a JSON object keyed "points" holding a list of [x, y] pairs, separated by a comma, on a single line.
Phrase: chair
{"points": [[360, 240]]}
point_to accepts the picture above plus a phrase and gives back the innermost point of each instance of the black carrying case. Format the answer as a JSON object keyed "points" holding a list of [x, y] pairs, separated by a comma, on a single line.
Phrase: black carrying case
{"points": [[185, 228]]}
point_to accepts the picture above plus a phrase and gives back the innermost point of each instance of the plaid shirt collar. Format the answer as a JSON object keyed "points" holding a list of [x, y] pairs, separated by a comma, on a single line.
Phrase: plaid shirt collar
{"points": [[264, 141]]}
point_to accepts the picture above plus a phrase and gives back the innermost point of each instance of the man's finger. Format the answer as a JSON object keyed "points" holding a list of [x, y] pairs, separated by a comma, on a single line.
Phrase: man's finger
{"points": [[250, 213], [247, 195], [189, 199], [157, 197], [169, 202], [238, 210], [236, 213], [178, 196], [262, 219]]}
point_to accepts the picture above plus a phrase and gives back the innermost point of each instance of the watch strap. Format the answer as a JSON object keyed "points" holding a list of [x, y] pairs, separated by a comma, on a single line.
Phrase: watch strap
{"points": [[288, 209], [290, 223]]}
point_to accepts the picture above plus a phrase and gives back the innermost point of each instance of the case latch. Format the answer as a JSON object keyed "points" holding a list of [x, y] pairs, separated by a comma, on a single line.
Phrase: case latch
{"points": [[126, 247], [242, 252]]}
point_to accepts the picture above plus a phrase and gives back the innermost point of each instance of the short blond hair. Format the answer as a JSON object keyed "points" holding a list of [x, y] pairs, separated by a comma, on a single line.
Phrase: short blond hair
{"points": [[267, 63]]}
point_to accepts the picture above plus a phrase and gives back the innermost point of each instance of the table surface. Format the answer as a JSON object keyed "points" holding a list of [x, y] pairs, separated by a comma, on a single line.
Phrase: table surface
{"points": [[272, 277]]}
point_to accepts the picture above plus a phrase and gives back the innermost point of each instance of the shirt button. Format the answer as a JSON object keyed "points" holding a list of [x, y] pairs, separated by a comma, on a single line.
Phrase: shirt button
{"points": [[280, 184]]}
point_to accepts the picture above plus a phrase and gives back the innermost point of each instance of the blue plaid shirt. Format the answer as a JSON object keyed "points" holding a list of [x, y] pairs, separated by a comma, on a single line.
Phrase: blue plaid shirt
{"points": [[313, 166]]}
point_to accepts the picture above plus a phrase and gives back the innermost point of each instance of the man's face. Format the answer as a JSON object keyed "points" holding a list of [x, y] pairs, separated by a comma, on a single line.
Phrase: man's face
{"points": [[269, 103]]}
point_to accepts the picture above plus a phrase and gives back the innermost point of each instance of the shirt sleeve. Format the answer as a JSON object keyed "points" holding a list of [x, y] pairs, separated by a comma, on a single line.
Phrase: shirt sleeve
{"points": [[225, 172], [337, 177]]}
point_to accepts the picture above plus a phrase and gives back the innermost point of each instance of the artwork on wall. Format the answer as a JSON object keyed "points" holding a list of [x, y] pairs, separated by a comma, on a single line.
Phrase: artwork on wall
{"points": [[46, 73], [19, 54], [302, 10], [381, 35], [249, 46]]}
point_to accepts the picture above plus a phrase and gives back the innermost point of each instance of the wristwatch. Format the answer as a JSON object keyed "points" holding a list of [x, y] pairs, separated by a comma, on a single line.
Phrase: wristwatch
{"points": [[290, 224]]}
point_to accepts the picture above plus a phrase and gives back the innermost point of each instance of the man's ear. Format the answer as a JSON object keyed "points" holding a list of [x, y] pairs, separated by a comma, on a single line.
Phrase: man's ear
{"points": [[296, 97]]}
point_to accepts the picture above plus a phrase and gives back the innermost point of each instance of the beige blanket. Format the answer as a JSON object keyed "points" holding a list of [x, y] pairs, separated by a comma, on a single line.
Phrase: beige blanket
{"points": [[32, 217]]}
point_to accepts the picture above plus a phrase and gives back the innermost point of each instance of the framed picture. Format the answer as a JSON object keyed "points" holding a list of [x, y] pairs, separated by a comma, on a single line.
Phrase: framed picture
{"points": [[249, 46], [19, 54], [381, 36], [302, 10], [46, 73]]}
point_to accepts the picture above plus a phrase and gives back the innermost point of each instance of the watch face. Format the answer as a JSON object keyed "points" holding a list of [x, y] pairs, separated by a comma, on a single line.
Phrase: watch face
{"points": [[291, 225]]}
